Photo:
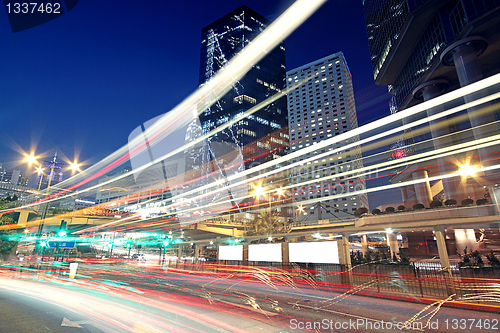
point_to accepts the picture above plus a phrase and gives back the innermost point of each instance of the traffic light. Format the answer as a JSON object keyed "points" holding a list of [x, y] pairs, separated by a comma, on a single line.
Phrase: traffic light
{"points": [[62, 229], [166, 242]]}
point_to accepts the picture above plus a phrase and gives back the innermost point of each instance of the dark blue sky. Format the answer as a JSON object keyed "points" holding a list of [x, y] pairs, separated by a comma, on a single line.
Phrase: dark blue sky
{"points": [[81, 83]]}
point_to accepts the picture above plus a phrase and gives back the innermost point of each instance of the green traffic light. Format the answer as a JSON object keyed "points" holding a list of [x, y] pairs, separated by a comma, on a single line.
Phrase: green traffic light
{"points": [[62, 233], [166, 242]]}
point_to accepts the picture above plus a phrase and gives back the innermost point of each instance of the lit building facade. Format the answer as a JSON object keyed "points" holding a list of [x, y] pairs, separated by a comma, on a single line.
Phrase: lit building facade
{"points": [[14, 182], [321, 108], [421, 50], [12, 176], [221, 41]]}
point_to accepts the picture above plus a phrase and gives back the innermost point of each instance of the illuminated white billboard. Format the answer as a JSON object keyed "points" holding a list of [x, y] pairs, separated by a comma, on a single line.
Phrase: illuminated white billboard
{"points": [[232, 252], [314, 252], [264, 252]]}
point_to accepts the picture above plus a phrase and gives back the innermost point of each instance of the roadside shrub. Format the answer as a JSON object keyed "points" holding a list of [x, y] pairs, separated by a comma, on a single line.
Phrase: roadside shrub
{"points": [[467, 202], [450, 202], [401, 208], [376, 211], [483, 201], [390, 210], [360, 211], [492, 259], [418, 206], [436, 203]]}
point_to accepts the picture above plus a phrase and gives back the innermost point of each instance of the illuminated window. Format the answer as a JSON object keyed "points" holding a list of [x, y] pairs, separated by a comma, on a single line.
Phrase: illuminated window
{"points": [[241, 98]]}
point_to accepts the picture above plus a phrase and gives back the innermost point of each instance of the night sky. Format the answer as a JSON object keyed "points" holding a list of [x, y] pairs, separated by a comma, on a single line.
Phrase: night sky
{"points": [[81, 83]]}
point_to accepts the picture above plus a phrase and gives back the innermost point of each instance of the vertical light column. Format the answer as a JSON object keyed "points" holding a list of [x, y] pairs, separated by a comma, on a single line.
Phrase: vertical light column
{"points": [[443, 256], [404, 194], [392, 241], [463, 54], [440, 132], [364, 244], [495, 197], [285, 257], [196, 252], [422, 190], [465, 238], [345, 252], [245, 254]]}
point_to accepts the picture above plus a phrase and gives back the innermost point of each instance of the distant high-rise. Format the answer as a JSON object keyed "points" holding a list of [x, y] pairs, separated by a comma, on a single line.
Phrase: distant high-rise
{"points": [[11, 176], [321, 108], [221, 41]]}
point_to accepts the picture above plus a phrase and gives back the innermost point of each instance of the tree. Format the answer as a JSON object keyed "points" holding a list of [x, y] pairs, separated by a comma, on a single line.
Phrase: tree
{"points": [[265, 224], [8, 245], [418, 206], [450, 202], [492, 259], [483, 201], [436, 204], [390, 209], [467, 202], [360, 211], [401, 208], [376, 211]]}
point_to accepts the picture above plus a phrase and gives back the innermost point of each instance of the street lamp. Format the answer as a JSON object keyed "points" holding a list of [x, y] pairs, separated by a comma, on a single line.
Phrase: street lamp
{"points": [[467, 170], [32, 159]]}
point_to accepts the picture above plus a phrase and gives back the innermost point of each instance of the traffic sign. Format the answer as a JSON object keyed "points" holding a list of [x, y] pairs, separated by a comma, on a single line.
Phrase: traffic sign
{"points": [[62, 244]]}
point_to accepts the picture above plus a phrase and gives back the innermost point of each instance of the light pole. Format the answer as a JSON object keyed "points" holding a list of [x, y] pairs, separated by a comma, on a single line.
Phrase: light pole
{"points": [[31, 159]]}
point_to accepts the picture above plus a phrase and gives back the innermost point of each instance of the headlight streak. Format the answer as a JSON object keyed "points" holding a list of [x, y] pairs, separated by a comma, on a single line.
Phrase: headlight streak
{"points": [[433, 311], [448, 151], [222, 82], [350, 134], [366, 128], [153, 301], [387, 163], [158, 131], [459, 148], [394, 163]]}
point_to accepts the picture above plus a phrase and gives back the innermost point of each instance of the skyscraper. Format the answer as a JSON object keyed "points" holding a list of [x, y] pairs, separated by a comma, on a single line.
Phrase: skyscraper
{"points": [[421, 50], [318, 109], [222, 40]]}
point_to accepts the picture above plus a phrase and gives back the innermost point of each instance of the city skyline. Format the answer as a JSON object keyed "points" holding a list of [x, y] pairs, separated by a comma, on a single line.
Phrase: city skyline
{"points": [[112, 75]]}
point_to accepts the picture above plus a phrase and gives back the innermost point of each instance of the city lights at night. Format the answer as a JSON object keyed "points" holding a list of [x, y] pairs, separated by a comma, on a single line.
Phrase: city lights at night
{"points": [[219, 166]]}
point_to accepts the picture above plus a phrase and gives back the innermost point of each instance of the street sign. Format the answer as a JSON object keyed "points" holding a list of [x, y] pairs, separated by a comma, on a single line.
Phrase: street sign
{"points": [[62, 244]]}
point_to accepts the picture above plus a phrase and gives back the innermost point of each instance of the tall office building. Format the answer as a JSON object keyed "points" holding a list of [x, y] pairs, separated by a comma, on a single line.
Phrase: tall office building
{"points": [[421, 50], [318, 109], [221, 41], [260, 137]]}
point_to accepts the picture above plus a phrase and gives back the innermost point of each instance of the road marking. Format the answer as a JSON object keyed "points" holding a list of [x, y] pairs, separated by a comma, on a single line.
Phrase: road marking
{"points": [[69, 323]]}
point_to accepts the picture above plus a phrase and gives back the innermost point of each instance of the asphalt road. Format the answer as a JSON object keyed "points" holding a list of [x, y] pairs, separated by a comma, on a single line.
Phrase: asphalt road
{"points": [[144, 298]]}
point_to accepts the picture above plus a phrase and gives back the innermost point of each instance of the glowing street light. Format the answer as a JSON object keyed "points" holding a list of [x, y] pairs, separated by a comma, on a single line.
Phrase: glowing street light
{"points": [[74, 166], [467, 170], [30, 159], [258, 191]]}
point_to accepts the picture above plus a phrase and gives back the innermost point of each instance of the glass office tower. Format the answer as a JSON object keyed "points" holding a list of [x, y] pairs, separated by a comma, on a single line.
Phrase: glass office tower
{"points": [[255, 135]]}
